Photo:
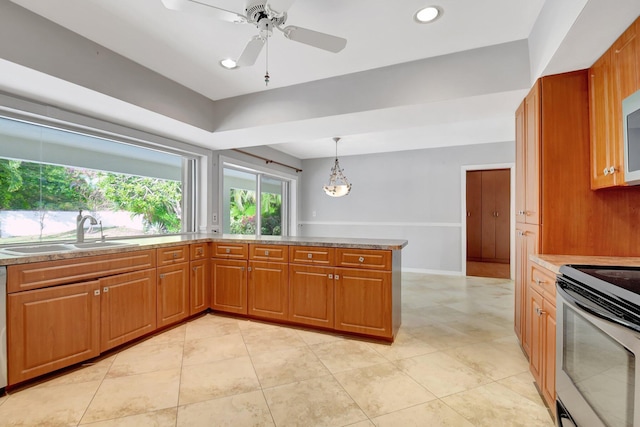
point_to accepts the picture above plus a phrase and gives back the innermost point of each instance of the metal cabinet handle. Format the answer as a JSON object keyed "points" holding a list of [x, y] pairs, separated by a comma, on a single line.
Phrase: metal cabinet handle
{"points": [[266, 253], [200, 251], [241, 268], [612, 170], [540, 282], [249, 269], [161, 276], [605, 171], [228, 250], [330, 276], [96, 292], [337, 277], [105, 289], [309, 256], [195, 268], [361, 259]]}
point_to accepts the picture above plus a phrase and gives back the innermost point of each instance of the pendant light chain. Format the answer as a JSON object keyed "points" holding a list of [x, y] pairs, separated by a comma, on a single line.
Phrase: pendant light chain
{"points": [[266, 75]]}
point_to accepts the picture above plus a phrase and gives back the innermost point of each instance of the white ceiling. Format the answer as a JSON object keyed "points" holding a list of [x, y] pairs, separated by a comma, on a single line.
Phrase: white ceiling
{"points": [[186, 48]]}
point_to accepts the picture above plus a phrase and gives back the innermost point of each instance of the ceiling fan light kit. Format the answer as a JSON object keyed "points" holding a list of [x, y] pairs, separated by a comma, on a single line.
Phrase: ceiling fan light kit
{"points": [[265, 15], [338, 184], [229, 64]]}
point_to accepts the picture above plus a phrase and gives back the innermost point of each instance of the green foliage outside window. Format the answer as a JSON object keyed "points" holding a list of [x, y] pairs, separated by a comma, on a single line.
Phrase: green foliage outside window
{"points": [[243, 213]]}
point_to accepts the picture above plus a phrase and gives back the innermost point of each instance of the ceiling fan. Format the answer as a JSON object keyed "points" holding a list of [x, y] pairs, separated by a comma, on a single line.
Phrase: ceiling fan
{"points": [[265, 15]]}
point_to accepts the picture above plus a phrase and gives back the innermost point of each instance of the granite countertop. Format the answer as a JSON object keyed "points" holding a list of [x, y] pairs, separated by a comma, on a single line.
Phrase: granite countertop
{"points": [[553, 262], [136, 244]]}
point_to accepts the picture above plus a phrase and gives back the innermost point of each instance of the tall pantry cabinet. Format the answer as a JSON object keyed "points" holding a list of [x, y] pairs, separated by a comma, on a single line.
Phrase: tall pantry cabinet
{"points": [[553, 203], [552, 178]]}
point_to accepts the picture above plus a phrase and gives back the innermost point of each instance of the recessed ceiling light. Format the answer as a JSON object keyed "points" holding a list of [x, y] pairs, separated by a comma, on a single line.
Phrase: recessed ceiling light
{"points": [[229, 64], [427, 14]]}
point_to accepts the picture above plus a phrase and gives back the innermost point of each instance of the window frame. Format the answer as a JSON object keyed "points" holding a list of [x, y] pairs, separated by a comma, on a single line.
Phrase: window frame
{"points": [[289, 196], [195, 160]]}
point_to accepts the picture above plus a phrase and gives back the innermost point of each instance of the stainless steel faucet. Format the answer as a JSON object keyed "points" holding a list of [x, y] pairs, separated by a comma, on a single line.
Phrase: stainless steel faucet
{"points": [[80, 225]]}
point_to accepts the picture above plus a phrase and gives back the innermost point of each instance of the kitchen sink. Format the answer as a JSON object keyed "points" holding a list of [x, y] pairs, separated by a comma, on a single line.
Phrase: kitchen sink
{"points": [[102, 245], [38, 249], [62, 247]]}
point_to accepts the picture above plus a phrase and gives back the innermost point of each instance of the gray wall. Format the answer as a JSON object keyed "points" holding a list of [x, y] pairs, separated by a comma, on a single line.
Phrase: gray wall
{"points": [[413, 195]]}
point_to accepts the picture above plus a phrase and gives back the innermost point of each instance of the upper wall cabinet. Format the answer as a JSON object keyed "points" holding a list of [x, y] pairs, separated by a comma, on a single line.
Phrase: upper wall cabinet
{"points": [[612, 78]]}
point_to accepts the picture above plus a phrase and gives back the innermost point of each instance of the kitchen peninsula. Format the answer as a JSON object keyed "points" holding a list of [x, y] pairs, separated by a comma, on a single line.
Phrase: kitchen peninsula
{"points": [[71, 305]]}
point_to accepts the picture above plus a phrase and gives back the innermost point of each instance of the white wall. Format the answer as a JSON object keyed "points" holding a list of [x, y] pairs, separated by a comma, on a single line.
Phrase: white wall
{"points": [[413, 195]]}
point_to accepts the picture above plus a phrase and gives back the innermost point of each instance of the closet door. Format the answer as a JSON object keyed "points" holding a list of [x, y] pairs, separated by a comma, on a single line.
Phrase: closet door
{"points": [[502, 220], [474, 215]]}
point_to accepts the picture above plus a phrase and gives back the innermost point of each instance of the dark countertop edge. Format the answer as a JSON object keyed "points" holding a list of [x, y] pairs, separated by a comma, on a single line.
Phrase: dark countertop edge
{"points": [[154, 242]]}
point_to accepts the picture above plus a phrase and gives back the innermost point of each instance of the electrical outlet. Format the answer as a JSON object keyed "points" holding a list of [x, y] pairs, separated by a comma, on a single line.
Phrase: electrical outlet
{"points": [[215, 217], [313, 214]]}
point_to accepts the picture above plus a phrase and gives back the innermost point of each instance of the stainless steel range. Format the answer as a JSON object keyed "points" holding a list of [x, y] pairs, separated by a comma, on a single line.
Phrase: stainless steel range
{"points": [[598, 344]]}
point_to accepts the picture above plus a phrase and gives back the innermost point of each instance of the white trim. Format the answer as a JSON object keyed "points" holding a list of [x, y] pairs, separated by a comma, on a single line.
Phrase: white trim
{"points": [[426, 271], [385, 224], [512, 218]]}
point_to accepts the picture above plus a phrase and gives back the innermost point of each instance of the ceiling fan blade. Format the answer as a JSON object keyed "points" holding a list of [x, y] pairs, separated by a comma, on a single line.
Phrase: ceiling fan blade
{"points": [[314, 38], [251, 51], [201, 8], [279, 6]]}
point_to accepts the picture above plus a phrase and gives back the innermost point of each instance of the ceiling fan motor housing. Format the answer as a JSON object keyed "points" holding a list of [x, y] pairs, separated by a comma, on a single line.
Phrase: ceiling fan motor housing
{"points": [[259, 15]]}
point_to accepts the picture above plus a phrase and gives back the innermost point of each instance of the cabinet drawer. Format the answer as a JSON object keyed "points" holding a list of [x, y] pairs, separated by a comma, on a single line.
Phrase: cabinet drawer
{"points": [[364, 258], [543, 280], [316, 255], [36, 275], [199, 251], [173, 255], [230, 250], [275, 253]]}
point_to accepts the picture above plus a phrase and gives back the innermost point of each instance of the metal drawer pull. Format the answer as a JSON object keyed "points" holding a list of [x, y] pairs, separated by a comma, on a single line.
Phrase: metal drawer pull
{"points": [[266, 253], [330, 276], [162, 276], [249, 269], [228, 250], [540, 282], [337, 277], [200, 250], [96, 292], [105, 289], [309, 256], [361, 259], [175, 254]]}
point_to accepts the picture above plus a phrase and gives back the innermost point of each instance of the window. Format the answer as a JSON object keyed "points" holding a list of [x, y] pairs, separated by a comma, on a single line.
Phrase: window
{"points": [[48, 174], [245, 212]]}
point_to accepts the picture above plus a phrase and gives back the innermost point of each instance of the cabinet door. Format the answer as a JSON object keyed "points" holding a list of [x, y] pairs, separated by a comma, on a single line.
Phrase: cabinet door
{"points": [[127, 307], [535, 317], [199, 286], [268, 289], [502, 218], [474, 215], [521, 205], [173, 293], [532, 156], [229, 279], [526, 244], [625, 51], [52, 328], [311, 298], [601, 123], [549, 358], [363, 301]]}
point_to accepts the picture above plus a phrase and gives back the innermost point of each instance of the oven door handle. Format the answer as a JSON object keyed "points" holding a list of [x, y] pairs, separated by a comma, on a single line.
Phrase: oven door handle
{"points": [[597, 313]]}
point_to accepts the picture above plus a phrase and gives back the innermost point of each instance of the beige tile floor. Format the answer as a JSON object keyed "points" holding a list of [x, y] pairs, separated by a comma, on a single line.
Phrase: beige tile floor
{"points": [[455, 362]]}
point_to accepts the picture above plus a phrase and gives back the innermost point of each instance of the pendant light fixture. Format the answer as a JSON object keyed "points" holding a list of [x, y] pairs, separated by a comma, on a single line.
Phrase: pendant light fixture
{"points": [[338, 185]]}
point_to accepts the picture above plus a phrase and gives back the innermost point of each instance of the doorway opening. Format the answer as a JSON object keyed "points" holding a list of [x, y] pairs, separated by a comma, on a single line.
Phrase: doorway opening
{"points": [[488, 222]]}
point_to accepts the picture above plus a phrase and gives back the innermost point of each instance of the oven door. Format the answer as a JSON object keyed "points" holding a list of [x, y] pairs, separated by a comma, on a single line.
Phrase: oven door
{"points": [[596, 373]]}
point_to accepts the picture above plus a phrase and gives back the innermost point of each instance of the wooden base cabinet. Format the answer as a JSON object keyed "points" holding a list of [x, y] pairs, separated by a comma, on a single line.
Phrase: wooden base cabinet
{"points": [[527, 243], [268, 290], [541, 315], [199, 286], [229, 279], [311, 295], [363, 301], [52, 328], [127, 307]]}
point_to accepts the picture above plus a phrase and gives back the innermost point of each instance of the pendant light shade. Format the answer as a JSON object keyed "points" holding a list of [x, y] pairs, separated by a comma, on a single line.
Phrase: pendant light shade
{"points": [[338, 185]]}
